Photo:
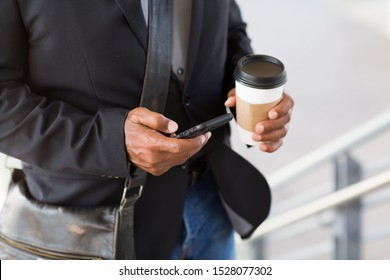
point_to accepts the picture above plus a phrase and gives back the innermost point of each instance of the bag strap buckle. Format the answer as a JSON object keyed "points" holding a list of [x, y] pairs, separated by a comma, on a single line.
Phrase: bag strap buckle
{"points": [[133, 187]]}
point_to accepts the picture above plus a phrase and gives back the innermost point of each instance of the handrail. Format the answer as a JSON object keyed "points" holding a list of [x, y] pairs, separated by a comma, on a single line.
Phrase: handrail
{"points": [[330, 201], [330, 150]]}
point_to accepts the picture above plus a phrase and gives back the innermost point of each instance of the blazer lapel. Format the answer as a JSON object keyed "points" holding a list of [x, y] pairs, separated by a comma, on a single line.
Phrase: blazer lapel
{"points": [[132, 11], [196, 28]]}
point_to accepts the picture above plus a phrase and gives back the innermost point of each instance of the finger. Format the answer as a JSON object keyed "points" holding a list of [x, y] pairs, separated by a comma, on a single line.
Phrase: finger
{"points": [[172, 152], [200, 140], [231, 100], [282, 108], [268, 126], [270, 147], [190, 146], [153, 120], [275, 135], [179, 146], [232, 92]]}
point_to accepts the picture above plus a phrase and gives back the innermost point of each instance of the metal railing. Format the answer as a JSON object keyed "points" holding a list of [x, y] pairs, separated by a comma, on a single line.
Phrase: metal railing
{"points": [[327, 202], [346, 198], [331, 150]]}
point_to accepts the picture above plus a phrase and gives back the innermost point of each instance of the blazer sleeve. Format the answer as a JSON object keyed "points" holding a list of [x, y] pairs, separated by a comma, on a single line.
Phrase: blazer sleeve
{"points": [[51, 134], [239, 43]]}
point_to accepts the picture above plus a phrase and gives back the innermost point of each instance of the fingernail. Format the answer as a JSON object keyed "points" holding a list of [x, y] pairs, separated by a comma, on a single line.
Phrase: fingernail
{"points": [[227, 102], [205, 137], [273, 115], [256, 137], [259, 129], [172, 126], [263, 147]]}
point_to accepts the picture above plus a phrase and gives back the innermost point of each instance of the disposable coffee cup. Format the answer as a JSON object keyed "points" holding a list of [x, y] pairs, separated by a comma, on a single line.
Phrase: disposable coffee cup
{"points": [[259, 87]]}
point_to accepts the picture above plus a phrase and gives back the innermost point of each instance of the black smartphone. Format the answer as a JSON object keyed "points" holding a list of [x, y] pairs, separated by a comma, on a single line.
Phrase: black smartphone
{"points": [[205, 127]]}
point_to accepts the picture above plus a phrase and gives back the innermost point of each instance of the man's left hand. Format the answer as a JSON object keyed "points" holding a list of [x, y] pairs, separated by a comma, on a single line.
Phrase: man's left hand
{"points": [[272, 131]]}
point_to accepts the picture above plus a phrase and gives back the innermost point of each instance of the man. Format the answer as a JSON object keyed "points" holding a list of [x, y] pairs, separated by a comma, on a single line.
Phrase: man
{"points": [[71, 77]]}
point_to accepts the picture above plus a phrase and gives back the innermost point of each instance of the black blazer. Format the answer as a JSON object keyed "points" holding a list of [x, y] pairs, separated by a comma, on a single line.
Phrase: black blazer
{"points": [[70, 70]]}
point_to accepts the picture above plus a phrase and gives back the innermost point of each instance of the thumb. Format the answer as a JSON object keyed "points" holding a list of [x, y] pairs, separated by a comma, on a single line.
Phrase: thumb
{"points": [[231, 100], [153, 120]]}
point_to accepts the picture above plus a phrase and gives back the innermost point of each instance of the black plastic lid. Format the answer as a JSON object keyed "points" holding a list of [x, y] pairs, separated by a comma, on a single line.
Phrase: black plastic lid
{"points": [[260, 71]]}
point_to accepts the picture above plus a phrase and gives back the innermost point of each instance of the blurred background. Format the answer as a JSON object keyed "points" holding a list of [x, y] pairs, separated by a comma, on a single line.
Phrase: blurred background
{"points": [[330, 180], [337, 57]]}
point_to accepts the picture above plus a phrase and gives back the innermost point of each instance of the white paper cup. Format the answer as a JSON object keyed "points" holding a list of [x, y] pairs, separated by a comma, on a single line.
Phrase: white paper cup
{"points": [[260, 80]]}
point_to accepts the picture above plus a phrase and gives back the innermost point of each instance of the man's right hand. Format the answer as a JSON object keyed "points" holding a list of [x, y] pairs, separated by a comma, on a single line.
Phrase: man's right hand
{"points": [[151, 150]]}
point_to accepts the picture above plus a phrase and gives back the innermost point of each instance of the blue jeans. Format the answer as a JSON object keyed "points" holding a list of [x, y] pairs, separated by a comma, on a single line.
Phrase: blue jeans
{"points": [[207, 233]]}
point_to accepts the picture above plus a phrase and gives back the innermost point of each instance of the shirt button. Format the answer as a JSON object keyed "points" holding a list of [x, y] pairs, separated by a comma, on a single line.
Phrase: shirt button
{"points": [[180, 71]]}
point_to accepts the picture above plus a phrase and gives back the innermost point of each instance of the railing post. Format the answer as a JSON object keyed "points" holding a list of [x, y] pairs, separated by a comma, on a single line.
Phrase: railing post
{"points": [[259, 253], [252, 250], [348, 216]]}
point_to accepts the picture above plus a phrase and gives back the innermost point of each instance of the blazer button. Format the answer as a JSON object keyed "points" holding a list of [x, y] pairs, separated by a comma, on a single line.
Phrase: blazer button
{"points": [[187, 99], [180, 71]]}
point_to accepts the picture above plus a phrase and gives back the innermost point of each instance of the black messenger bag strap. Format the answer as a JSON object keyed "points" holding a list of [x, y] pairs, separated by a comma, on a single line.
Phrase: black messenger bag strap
{"points": [[154, 96], [159, 56]]}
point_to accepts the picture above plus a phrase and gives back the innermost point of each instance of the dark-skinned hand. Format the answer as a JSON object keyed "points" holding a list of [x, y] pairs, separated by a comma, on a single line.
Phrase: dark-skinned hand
{"points": [[150, 145]]}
